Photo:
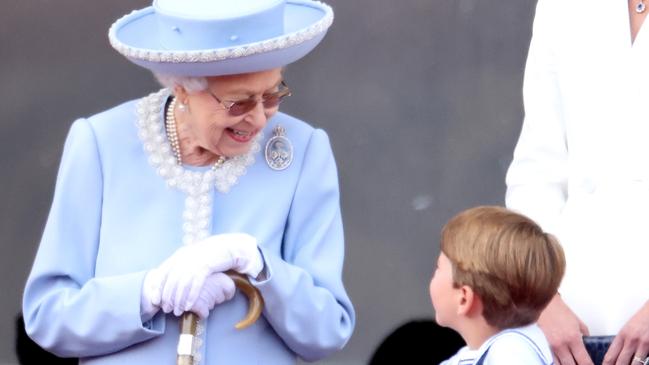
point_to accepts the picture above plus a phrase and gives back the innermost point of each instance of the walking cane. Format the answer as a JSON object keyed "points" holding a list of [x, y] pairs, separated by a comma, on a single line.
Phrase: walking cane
{"points": [[189, 320]]}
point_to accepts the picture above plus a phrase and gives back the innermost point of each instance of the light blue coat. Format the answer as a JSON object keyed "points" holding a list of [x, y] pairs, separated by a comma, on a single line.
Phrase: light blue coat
{"points": [[113, 218]]}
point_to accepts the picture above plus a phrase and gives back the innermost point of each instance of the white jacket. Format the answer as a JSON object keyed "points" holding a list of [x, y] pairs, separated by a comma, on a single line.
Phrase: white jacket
{"points": [[581, 165]]}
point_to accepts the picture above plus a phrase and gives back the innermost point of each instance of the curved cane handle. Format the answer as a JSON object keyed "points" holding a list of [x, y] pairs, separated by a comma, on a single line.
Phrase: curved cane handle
{"points": [[189, 320], [255, 300]]}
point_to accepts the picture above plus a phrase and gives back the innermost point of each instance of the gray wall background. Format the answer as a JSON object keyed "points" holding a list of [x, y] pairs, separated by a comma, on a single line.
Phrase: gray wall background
{"points": [[421, 98]]}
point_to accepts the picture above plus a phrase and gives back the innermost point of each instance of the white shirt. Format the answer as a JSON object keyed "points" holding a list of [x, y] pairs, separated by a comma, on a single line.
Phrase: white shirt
{"points": [[581, 165], [522, 345]]}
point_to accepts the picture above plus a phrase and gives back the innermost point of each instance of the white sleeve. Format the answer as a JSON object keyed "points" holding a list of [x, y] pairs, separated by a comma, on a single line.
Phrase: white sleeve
{"points": [[538, 175]]}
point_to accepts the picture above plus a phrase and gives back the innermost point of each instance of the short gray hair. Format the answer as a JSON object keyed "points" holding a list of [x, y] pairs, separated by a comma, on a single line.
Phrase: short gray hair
{"points": [[191, 84]]}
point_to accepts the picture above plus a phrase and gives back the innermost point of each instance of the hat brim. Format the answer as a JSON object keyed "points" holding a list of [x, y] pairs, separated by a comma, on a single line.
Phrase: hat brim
{"points": [[305, 24]]}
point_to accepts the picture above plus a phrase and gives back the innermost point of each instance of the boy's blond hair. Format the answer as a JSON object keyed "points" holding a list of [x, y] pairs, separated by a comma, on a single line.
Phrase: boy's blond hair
{"points": [[507, 259]]}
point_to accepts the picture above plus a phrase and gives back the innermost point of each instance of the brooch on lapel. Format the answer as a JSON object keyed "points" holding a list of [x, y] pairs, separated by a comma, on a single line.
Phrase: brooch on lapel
{"points": [[279, 150]]}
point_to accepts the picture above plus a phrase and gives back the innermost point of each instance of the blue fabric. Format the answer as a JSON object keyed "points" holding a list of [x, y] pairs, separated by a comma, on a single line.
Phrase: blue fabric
{"points": [[146, 31], [113, 218], [481, 359], [597, 346], [206, 26]]}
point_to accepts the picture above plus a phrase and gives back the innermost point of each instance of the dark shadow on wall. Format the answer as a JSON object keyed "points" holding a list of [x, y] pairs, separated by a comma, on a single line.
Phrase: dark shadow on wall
{"points": [[29, 353], [418, 342]]}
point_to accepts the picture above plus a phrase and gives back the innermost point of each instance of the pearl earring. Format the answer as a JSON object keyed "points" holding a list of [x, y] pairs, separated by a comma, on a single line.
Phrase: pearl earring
{"points": [[182, 107]]}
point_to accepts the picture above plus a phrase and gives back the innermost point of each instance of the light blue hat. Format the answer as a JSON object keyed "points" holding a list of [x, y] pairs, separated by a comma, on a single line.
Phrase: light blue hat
{"points": [[220, 37]]}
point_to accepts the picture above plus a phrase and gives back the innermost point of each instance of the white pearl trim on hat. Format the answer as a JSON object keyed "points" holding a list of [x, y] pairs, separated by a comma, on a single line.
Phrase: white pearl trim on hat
{"points": [[220, 54]]}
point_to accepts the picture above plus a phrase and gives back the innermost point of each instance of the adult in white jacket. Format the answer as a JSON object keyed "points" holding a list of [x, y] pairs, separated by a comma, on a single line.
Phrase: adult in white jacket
{"points": [[581, 169]]}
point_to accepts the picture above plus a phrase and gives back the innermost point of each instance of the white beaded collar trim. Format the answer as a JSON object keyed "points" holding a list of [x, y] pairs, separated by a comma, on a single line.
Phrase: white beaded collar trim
{"points": [[273, 44], [151, 130], [197, 185]]}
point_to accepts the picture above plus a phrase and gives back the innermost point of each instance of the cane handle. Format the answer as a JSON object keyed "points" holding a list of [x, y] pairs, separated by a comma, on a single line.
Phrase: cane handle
{"points": [[189, 320]]}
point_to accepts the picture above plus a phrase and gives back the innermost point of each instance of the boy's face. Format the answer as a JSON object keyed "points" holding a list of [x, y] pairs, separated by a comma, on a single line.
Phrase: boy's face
{"points": [[443, 294]]}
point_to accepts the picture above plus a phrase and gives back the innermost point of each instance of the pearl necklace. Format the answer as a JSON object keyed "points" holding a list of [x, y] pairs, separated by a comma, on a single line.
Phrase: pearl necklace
{"points": [[151, 130], [172, 136]]}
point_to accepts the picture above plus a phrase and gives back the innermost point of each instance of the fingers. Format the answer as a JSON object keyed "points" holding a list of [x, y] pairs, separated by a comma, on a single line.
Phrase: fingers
{"points": [[570, 350], [563, 355], [217, 289], [169, 279], [203, 304], [614, 351], [178, 294], [625, 351], [579, 353], [173, 291], [187, 269], [226, 287], [193, 290], [187, 289], [564, 331], [642, 351], [626, 354], [573, 353], [168, 291], [153, 284], [196, 292], [181, 288]]}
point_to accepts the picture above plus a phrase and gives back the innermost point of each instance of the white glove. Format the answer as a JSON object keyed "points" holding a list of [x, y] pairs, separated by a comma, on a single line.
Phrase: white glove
{"points": [[217, 289], [188, 268], [150, 295]]}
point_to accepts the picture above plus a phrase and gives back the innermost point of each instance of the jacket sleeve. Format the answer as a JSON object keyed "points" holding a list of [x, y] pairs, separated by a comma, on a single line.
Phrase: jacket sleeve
{"points": [[305, 301], [537, 177], [68, 310]]}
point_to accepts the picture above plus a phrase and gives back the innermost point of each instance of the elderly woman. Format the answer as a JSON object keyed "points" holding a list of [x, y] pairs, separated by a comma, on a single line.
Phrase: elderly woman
{"points": [[158, 197]]}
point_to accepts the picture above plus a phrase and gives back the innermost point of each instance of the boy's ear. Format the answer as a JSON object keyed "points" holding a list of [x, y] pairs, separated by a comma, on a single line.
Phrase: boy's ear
{"points": [[469, 302]]}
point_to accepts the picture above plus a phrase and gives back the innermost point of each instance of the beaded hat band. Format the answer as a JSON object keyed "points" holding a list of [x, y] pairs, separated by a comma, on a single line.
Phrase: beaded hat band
{"points": [[251, 36]]}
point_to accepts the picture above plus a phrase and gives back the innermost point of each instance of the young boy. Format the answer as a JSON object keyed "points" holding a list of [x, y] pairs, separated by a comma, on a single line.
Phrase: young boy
{"points": [[496, 272]]}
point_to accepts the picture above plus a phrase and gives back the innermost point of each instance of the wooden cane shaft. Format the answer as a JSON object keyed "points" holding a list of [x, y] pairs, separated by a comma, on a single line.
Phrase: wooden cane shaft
{"points": [[189, 320]]}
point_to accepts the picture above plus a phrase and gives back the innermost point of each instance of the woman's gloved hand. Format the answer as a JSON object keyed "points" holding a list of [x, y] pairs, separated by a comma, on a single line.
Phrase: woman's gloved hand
{"points": [[217, 289], [184, 273], [150, 295]]}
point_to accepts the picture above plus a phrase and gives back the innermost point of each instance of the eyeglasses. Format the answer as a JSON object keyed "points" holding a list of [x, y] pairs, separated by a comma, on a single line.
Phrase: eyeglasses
{"points": [[239, 107]]}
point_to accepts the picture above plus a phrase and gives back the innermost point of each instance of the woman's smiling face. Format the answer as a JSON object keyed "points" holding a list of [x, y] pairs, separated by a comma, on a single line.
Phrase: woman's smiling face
{"points": [[209, 124]]}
